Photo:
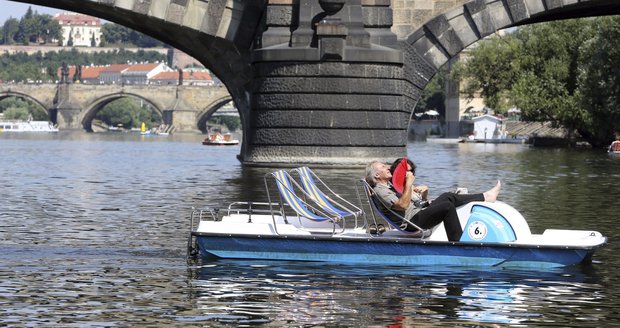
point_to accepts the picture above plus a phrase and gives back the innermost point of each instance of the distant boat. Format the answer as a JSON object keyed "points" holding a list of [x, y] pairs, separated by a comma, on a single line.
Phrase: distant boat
{"points": [[614, 148], [218, 139], [27, 126]]}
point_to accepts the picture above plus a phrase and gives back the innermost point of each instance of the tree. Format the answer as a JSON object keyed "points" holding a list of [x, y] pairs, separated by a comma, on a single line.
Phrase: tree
{"points": [[599, 82], [9, 30], [488, 70], [70, 40], [434, 96], [129, 113], [117, 34]]}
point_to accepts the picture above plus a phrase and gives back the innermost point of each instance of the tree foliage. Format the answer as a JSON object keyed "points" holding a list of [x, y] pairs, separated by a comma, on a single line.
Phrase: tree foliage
{"points": [[118, 34], [129, 113], [434, 97], [565, 72], [31, 28], [15, 108]]}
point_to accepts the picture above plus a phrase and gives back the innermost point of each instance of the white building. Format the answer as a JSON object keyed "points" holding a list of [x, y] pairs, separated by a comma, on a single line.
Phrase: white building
{"points": [[488, 127], [142, 73], [79, 29]]}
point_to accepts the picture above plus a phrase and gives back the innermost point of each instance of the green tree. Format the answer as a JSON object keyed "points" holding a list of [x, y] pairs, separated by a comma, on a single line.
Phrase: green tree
{"points": [[16, 113], [17, 108], [488, 70], [9, 30], [434, 96], [547, 68], [118, 34], [128, 112], [599, 82]]}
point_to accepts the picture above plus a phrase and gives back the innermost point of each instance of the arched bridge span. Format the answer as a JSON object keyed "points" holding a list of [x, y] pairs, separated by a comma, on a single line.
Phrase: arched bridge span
{"points": [[73, 106], [326, 82]]}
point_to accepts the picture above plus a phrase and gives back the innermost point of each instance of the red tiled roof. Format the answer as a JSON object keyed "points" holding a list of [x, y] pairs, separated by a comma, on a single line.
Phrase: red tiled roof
{"points": [[76, 19], [115, 68], [188, 76], [142, 67]]}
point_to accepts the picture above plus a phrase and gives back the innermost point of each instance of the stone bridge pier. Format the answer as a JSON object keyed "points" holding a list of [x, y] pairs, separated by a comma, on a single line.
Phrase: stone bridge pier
{"points": [[330, 91]]}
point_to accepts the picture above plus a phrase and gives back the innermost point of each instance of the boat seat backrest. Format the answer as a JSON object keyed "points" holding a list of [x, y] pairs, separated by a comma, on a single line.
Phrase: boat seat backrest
{"points": [[320, 198], [376, 203], [285, 187]]}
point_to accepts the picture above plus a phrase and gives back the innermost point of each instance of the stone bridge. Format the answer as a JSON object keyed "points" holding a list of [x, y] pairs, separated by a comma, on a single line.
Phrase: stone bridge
{"points": [[330, 82], [73, 106]]}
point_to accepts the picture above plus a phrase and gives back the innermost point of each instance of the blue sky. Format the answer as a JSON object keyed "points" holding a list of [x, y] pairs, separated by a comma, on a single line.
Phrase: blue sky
{"points": [[17, 10]]}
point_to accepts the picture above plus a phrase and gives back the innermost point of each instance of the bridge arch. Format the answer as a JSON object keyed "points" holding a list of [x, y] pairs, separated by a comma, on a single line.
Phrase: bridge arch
{"points": [[98, 104], [209, 110], [8, 94]]}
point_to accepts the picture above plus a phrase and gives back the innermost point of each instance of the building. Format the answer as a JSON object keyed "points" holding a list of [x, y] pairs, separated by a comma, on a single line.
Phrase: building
{"points": [[112, 74], [189, 78], [79, 30], [488, 127], [142, 73]]}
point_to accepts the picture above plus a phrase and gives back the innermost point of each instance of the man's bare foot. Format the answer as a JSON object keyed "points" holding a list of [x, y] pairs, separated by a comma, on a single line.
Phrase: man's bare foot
{"points": [[491, 195]]}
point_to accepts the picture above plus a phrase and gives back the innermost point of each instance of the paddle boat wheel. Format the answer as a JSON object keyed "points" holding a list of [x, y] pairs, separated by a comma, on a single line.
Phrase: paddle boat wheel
{"points": [[305, 220]]}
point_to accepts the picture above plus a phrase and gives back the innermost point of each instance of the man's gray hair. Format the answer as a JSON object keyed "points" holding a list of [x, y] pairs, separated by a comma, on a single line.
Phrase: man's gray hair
{"points": [[371, 173]]}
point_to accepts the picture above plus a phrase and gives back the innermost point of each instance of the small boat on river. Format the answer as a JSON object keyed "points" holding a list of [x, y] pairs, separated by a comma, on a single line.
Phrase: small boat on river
{"points": [[307, 221], [27, 126], [218, 139]]}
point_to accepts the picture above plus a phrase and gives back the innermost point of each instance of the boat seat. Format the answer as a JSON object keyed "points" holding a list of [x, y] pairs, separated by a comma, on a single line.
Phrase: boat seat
{"points": [[374, 202], [308, 180]]}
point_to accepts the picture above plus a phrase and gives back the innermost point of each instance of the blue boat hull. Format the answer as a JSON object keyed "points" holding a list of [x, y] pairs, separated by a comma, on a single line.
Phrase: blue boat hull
{"points": [[389, 251]]}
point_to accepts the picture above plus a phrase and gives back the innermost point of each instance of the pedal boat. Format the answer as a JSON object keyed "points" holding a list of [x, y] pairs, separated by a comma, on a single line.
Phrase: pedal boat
{"points": [[301, 227]]}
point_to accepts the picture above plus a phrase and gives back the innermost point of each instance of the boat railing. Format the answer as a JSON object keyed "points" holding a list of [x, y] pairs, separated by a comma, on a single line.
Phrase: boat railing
{"points": [[250, 208]]}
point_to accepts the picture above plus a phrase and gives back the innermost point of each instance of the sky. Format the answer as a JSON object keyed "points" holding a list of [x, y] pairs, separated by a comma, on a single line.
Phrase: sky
{"points": [[17, 10]]}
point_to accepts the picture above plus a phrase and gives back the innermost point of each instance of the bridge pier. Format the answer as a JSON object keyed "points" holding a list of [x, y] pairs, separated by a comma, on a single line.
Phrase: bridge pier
{"points": [[332, 95]]}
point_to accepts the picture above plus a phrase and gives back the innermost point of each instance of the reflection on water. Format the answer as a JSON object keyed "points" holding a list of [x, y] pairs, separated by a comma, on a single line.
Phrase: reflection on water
{"points": [[93, 231], [312, 293]]}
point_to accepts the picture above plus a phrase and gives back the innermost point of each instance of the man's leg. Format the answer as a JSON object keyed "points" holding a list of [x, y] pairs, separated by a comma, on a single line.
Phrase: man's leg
{"points": [[436, 213], [459, 199]]}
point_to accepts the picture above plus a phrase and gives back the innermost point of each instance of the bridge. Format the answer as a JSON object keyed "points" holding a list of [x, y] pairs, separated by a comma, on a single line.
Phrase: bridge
{"points": [[329, 82], [74, 106]]}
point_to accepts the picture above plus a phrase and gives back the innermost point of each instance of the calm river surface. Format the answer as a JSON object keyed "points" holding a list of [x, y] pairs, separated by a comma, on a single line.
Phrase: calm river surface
{"points": [[93, 232]]}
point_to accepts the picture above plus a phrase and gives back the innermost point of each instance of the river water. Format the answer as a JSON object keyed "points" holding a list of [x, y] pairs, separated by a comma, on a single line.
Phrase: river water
{"points": [[93, 232]]}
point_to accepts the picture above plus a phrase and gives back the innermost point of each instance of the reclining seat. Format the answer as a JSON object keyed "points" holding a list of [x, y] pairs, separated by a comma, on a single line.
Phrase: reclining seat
{"points": [[374, 202]]}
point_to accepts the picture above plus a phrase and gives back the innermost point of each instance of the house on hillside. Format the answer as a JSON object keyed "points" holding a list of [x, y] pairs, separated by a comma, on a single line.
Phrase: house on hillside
{"points": [[79, 30]]}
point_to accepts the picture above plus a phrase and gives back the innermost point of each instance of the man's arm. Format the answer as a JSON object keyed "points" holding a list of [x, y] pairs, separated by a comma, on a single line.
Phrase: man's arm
{"points": [[405, 199]]}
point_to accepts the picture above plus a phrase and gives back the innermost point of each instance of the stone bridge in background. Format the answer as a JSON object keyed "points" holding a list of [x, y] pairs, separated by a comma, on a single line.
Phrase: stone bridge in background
{"points": [[326, 82], [74, 106]]}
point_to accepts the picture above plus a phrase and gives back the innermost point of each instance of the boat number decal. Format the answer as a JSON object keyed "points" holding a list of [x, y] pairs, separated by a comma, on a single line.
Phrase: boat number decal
{"points": [[477, 230]]}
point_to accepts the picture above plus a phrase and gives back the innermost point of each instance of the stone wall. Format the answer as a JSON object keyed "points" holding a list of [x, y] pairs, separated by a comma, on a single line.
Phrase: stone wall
{"points": [[409, 15]]}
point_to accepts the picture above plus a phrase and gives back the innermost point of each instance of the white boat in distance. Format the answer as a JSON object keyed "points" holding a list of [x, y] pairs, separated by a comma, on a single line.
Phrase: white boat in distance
{"points": [[27, 126]]}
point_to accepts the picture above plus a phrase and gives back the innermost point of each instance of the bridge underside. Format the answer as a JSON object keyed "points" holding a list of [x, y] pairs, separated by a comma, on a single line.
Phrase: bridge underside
{"points": [[324, 82]]}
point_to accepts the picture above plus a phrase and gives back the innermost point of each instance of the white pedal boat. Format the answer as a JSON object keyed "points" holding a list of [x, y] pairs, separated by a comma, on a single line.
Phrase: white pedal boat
{"points": [[314, 224]]}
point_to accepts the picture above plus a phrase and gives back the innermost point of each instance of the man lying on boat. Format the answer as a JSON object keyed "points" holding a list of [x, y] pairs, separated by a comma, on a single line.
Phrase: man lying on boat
{"points": [[408, 205]]}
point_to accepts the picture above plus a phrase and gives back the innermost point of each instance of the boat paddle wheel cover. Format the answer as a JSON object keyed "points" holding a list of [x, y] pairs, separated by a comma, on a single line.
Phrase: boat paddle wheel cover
{"points": [[487, 225]]}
